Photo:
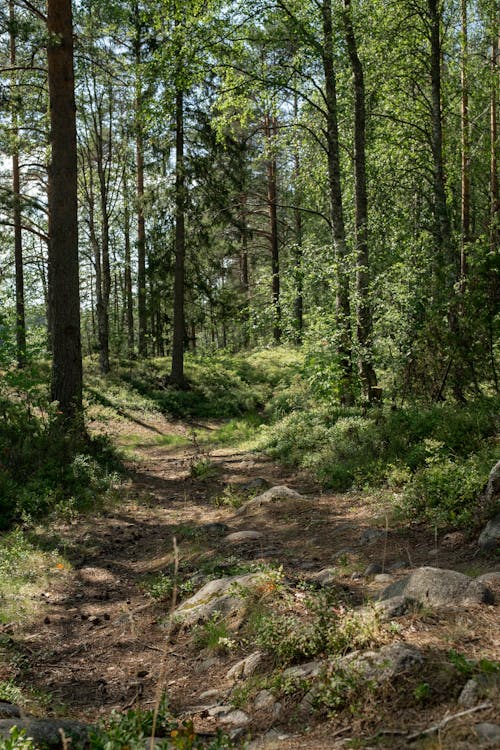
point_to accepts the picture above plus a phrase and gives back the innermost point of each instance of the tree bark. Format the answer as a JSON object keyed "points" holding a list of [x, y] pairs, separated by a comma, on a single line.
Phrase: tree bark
{"points": [[129, 300], [465, 207], [494, 194], [343, 302], [298, 304], [270, 130], [364, 311], [177, 371], [141, 223], [17, 219], [64, 298]]}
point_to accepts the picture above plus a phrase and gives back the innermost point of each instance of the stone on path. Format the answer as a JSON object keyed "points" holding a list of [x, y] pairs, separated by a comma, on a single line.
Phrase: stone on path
{"points": [[438, 587], [280, 492], [245, 667], [395, 606], [243, 536], [489, 541], [325, 577], [224, 596], [489, 733], [386, 663], [9, 710]]}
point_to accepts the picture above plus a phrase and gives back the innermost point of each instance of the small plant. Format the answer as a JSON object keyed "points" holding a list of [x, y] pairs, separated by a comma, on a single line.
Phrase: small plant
{"points": [[161, 587], [230, 497], [340, 688], [203, 469], [213, 635], [422, 692], [17, 740]]}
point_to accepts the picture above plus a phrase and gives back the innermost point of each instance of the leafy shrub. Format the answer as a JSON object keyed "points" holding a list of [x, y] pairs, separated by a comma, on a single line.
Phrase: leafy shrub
{"points": [[328, 627]]}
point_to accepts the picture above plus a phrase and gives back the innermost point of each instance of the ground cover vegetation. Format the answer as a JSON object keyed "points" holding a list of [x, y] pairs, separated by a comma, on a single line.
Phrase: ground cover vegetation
{"points": [[276, 223]]}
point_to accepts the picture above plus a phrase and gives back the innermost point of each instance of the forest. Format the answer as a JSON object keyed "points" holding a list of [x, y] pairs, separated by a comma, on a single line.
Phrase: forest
{"points": [[249, 384]]}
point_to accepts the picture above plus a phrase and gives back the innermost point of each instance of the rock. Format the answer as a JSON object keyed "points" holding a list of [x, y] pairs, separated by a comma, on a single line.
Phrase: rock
{"points": [[438, 587], [45, 732], [264, 700], [223, 596], [491, 492], [257, 483], [325, 577], [304, 671], [208, 694], [207, 664], [9, 710], [268, 740], [396, 606], [386, 663], [481, 686], [356, 576], [214, 529], [372, 570], [281, 492], [398, 565], [245, 667], [306, 705], [488, 732], [492, 581], [383, 578], [489, 541], [243, 536], [370, 536], [235, 718]]}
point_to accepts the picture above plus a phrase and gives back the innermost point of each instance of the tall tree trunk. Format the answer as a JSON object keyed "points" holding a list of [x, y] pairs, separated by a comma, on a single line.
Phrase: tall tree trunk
{"points": [[271, 129], [343, 303], [465, 207], [105, 291], [298, 304], [244, 275], [128, 301], [442, 228], [177, 372], [141, 223], [64, 298], [495, 72], [364, 311], [16, 195]]}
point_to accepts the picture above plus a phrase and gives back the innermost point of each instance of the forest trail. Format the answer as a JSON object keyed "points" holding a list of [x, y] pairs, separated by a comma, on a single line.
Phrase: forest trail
{"points": [[100, 641]]}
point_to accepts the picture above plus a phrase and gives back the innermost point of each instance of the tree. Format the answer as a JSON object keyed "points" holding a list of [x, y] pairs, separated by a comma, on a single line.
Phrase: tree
{"points": [[64, 298]]}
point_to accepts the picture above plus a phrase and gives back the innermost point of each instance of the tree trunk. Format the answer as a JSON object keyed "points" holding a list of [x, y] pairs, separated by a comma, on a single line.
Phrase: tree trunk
{"points": [[141, 223], [177, 372], [64, 299], [364, 311], [343, 303], [494, 196], [298, 304], [244, 275], [465, 207], [129, 300], [105, 280], [271, 129], [16, 195]]}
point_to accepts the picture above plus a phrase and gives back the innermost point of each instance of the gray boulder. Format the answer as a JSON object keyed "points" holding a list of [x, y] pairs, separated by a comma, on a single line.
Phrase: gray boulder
{"points": [[395, 606], [245, 667], [489, 541], [438, 587], [46, 732], [224, 596], [237, 537], [9, 710], [280, 492], [488, 732], [386, 663]]}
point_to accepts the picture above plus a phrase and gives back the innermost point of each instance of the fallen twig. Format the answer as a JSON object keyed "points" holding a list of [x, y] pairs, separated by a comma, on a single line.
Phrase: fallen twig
{"points": [[444, 722]]}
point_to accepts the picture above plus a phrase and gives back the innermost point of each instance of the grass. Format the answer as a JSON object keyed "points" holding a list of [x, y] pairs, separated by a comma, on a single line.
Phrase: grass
{"points": [[25, 571]]}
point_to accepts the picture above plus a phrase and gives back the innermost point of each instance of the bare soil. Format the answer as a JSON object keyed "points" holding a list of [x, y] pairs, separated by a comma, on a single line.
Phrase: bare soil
{"points": [[101, 642]]}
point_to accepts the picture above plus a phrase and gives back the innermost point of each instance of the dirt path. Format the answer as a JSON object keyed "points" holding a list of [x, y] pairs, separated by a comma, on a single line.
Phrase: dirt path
{"points": [[101, 640]]}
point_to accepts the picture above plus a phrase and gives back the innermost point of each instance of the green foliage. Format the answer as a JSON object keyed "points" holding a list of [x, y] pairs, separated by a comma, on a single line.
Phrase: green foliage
{"points": [[213, 635], [328, 627], [203, 469], [131, 730], [468, 668], [161, 587], [17, 741], [342, 687], [230, 497], [441, 455]]}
